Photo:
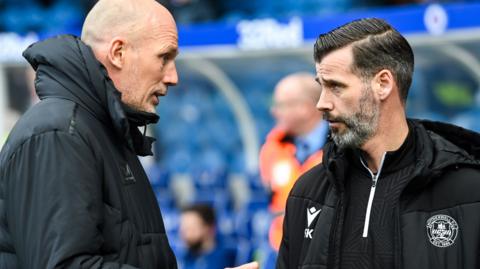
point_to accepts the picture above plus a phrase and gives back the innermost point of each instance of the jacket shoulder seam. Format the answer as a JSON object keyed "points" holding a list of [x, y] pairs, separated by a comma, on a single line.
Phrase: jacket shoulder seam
{"points": [[18, 147], [306, 198]]}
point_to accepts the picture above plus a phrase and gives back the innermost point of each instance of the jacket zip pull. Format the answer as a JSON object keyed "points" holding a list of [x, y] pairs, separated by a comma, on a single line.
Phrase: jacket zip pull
{"points": [[372, 194]]}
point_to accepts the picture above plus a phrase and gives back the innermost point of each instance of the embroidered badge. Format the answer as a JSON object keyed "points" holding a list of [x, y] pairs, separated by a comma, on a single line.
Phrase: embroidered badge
{"points": [[442, 230]]}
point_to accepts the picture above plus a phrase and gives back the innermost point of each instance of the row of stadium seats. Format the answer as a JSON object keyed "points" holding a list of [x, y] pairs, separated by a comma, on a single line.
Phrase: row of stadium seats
{"points": [[56, 16], [223, 191], [60, 16], [240, 202]]}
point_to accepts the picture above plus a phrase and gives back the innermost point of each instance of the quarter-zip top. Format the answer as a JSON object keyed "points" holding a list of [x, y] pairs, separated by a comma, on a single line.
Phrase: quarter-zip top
{"points": [[372, 193]]}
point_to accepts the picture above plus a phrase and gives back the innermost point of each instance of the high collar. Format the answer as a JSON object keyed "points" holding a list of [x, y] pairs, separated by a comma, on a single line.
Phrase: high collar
{"points": [[67, 68], [435, 146], [394, 160]]}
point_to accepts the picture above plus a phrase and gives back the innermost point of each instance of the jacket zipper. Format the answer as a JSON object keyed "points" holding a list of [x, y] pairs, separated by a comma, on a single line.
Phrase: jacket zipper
{"points": [[372, 194]]}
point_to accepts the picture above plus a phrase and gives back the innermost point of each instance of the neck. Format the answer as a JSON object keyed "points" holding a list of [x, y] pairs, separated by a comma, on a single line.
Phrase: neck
{"points": [[390, 136]]}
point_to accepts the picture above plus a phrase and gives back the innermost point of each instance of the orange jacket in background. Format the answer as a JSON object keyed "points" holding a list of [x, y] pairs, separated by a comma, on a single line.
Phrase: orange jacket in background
{"points": [[279, 169]]}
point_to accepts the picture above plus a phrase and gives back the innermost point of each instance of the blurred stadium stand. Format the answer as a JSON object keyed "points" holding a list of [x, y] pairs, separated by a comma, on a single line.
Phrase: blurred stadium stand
{"points": [[212, 123]]}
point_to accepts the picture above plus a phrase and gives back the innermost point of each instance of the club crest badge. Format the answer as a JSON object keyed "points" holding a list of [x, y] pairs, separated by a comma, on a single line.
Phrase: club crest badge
{"points": [[442, 230]]}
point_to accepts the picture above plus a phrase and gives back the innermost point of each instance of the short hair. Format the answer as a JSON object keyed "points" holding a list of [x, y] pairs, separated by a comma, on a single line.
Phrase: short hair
{"points": [[205, 211], [376, 46]]}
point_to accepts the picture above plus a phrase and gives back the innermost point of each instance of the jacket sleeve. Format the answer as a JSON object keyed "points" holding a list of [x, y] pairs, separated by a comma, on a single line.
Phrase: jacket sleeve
{"points": [[54, 203]]}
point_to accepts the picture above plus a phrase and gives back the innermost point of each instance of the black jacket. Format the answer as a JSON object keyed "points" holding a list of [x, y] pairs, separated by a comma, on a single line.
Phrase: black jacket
{"points": [[437, 220], [73, 193]]}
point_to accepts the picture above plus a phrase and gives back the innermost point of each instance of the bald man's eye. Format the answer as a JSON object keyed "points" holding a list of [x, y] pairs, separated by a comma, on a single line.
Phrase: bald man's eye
{"points": [[164, 58]]}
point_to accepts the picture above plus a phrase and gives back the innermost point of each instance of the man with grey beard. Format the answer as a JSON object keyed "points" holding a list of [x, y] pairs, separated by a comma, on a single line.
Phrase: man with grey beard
{"points": [[362, 123], [391, 192]]}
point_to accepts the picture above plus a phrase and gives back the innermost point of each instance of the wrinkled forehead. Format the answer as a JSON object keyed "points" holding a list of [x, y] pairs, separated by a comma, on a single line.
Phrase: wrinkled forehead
{"points": [[160, 35]]}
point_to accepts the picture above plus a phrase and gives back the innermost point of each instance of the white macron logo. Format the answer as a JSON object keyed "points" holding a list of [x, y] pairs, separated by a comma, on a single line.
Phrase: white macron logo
{"points": [[312, 213]]}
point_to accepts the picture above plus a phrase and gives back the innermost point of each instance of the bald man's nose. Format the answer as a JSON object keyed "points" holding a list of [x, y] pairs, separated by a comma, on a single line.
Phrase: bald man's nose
{"points": [[171, 75]]}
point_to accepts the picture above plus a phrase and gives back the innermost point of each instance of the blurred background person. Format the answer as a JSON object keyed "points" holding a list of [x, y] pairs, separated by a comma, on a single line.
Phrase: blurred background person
{"points": [[294, 145], [199, 234]]}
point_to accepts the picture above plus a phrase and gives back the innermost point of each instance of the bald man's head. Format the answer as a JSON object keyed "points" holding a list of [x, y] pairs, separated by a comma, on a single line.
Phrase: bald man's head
{"points": [[294, 108], [137, 42], [302, 85], [129, 18]]}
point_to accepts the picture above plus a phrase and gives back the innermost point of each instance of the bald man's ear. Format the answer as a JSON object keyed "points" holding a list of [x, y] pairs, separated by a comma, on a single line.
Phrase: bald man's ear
{"points": [[383, 84], [116, 52]]}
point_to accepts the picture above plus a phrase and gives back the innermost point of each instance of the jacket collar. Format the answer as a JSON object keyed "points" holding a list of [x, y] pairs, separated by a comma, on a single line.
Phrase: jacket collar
{"points": [[438, 146], [441, 145], [67, 68]]}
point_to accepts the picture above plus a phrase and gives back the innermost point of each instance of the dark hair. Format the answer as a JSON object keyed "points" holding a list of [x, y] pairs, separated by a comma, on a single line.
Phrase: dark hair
{"points": [[377, 45], [205, 211]]}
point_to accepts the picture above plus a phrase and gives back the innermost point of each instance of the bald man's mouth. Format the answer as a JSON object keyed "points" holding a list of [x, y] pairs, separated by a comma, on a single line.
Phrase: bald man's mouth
{"points": [[156, 97]]}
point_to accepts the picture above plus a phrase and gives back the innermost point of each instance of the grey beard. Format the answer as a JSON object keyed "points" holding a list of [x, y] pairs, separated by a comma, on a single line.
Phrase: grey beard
{"points": [[361, 126], [356, 134]]}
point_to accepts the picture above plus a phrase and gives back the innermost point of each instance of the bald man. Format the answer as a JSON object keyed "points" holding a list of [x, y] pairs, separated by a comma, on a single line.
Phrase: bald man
{"points": [[294, 145], [72, 191]]}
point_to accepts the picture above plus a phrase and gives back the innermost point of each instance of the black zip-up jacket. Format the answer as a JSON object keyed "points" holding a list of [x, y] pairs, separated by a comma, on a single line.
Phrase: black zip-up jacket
{"points": [[73, 193], [437, 220]]}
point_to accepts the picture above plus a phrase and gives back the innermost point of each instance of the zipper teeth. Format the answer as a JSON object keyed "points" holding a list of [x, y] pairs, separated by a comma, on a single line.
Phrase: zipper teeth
{"points": [[372, 194], [367, 214]]}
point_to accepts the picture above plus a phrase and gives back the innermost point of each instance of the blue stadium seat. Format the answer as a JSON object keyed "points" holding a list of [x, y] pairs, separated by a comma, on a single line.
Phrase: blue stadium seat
{"points": [[209, 179], [165, 199], [265, 255], [159, 177], [261, 222], [63, 17], [23, 19], [247, 227], [180, 160], [211, 164], [226, 223], [255, 182], [259, 200], [219, 199], [244, 251], [171, 220]]}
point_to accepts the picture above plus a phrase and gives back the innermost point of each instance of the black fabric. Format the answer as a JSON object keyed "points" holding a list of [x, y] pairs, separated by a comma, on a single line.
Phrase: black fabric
{"points": [[73, 193], [441, 180], [377, 249]]}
